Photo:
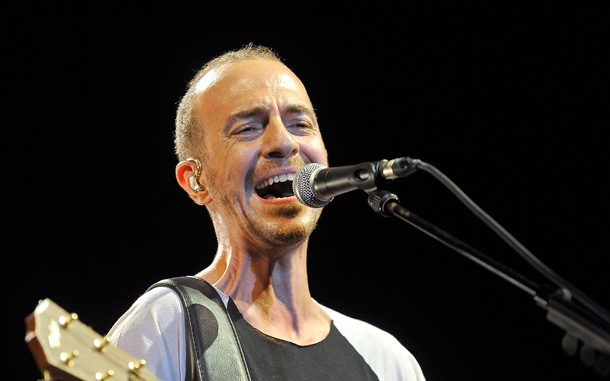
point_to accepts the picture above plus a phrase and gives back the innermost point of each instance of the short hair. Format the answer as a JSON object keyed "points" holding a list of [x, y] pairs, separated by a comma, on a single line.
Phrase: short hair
{"points": [[189, 134]]}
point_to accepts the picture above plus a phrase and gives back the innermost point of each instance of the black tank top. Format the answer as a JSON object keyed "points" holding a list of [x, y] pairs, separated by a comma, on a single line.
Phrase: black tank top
{"points": [[268, 358]]}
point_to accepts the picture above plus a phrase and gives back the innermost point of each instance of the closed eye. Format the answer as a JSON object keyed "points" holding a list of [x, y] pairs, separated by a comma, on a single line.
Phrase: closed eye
{"points": [[300, 127], [247, 129]]}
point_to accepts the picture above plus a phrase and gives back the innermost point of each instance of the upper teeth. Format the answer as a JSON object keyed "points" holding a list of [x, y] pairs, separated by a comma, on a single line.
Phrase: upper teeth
{"points": [[276, 179]]}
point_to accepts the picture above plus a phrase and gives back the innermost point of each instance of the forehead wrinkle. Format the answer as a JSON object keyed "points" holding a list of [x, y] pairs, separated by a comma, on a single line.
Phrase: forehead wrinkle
{"points": [[264, 110], [248, 113]]}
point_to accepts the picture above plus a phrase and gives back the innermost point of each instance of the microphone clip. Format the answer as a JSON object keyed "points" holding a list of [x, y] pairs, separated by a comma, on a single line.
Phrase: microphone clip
{"points": [[378, 201]]}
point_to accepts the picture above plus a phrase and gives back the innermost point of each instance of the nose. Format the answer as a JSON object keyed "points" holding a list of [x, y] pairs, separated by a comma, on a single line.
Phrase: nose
{"points": [[278, 142]]}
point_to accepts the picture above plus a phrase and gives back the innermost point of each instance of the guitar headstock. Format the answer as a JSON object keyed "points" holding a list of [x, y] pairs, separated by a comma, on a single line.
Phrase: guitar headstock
{"points": [[66, 349]]}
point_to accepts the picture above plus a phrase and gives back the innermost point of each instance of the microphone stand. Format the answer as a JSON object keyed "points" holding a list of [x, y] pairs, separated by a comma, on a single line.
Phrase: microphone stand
{"points": [[580, 325]]}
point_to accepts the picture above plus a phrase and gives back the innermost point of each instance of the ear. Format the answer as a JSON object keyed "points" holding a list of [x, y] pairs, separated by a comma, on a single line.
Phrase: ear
{"points": [[184, 171]]}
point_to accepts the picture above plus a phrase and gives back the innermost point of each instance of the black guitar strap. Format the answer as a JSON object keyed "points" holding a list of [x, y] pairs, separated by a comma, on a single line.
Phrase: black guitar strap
{"points": [[213, 349]]}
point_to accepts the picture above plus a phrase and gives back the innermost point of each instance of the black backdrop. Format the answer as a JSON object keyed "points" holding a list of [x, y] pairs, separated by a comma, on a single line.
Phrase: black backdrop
{"points": [[510, 103]]}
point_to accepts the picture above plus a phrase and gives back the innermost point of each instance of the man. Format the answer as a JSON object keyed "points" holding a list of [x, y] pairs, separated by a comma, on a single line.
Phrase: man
{"points": [[244, 128]]}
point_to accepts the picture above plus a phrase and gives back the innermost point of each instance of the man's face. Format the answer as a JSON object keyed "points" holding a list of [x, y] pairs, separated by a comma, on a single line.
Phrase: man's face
{"points": [[260, 127]]}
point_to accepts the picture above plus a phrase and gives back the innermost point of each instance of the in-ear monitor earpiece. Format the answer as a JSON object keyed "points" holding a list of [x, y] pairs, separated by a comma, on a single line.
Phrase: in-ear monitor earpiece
{"points": [[194, 179]]}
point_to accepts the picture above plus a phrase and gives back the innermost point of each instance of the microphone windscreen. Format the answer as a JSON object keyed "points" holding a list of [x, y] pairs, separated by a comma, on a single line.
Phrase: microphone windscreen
{"points": [[302, 186]]}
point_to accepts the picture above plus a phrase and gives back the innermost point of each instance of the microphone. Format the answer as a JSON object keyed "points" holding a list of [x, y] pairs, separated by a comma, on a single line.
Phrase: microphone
{"points": [[316, 185]]}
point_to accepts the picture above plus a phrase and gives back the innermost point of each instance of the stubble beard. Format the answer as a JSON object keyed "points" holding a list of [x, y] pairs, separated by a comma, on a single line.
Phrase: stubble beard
{"points": [[292, 233]]}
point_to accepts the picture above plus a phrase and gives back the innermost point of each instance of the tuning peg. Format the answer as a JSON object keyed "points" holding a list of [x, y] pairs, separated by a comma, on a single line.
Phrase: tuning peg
{"points": [[68, 358], [602, 366], [99, 376], [135, 366], [570, 344], [100, 344], [588, 354], [65, 321]]}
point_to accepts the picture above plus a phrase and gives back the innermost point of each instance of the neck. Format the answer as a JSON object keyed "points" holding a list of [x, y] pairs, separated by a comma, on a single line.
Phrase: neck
{"points": [[271, 292]]}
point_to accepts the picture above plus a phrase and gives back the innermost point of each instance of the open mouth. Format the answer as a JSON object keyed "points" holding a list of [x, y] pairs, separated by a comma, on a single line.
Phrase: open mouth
{"points": [[279, 186]]}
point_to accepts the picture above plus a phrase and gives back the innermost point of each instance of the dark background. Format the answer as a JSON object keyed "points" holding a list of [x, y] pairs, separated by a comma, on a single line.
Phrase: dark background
{"points": [[510, 103]]}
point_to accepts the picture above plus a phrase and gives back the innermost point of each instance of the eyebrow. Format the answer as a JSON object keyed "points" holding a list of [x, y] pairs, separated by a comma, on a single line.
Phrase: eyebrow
{"points": [[245, 114], [293, 108]]}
